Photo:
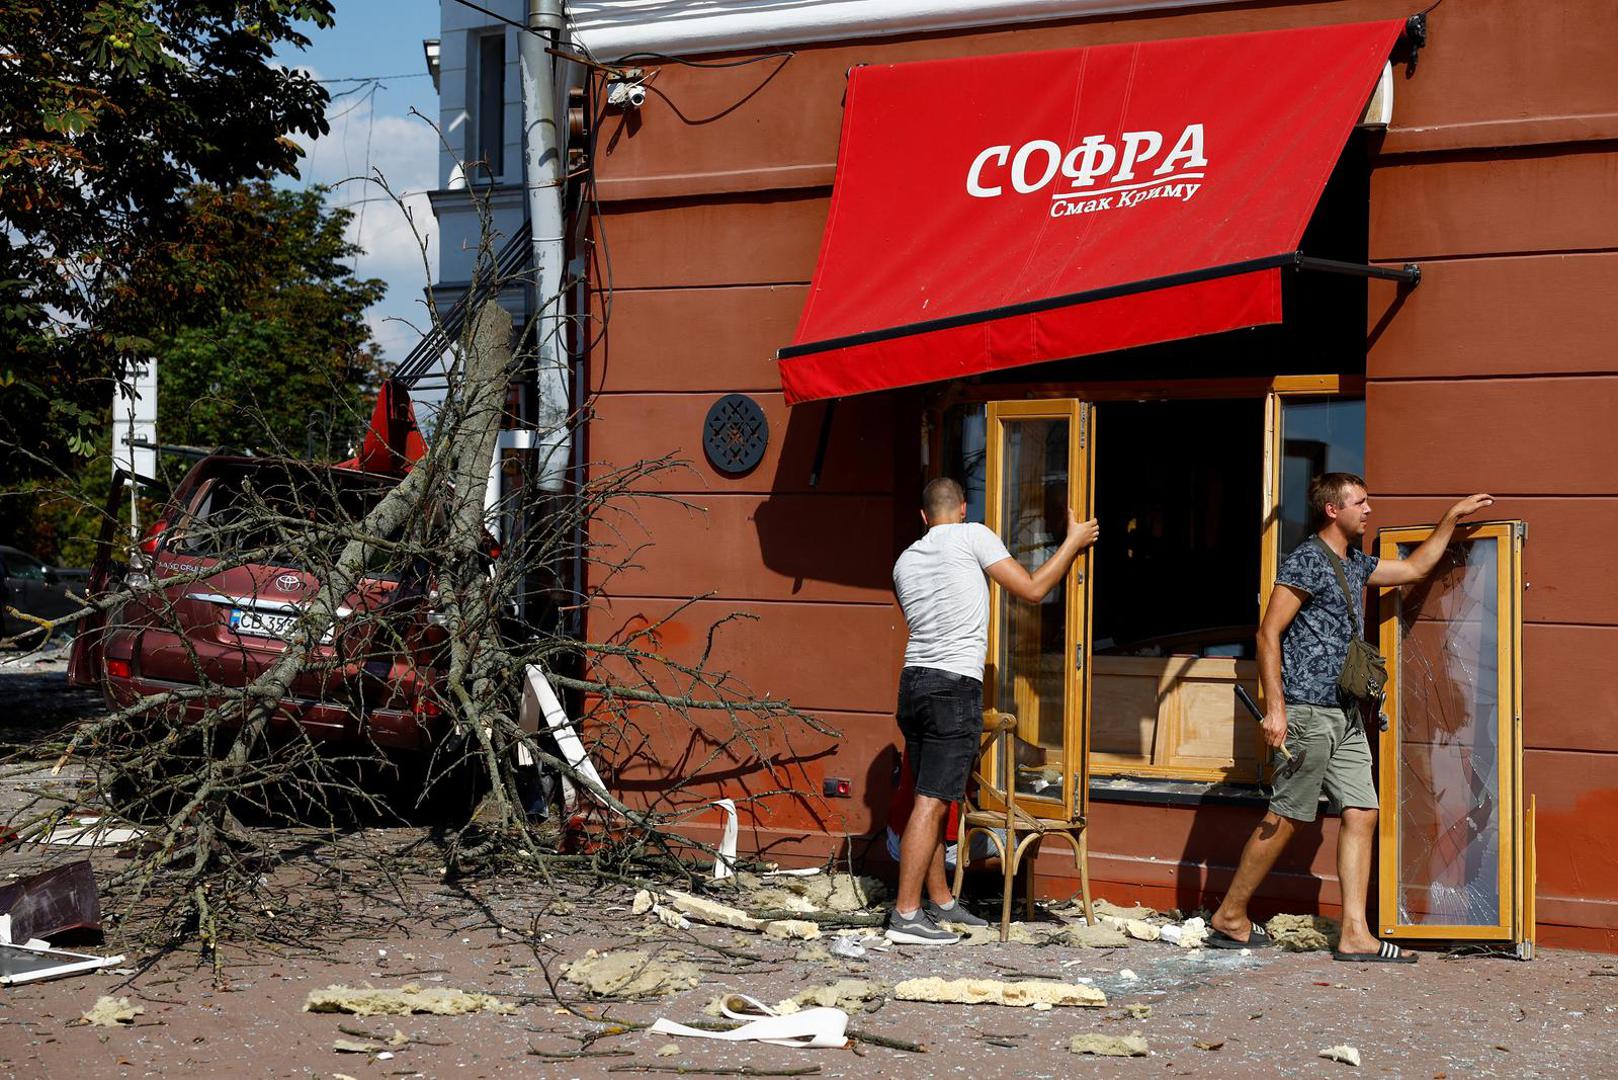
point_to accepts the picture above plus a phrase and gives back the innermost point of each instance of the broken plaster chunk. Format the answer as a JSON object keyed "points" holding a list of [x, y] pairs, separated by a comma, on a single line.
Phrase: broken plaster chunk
{"points": [[1346, 1054], [849, 995], [671, 918], [792, 929], [1127, 975], [1303, 933], [1109, 1045], [645, 901], [713, 913], [631, 973], [112, 1012], [1137, 911], [410, 998], [1139, 1010], [814, 953], [1019, 933], [995, 992], [1092, 937], [667, 1050]]}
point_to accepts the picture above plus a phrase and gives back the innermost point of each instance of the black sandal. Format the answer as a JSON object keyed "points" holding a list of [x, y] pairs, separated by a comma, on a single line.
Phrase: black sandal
{"points": [[1257, 938], [1389, 953]]}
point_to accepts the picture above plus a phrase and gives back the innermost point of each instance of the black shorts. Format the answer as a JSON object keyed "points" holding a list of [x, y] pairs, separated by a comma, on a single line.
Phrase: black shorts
{"points": [[941, 718]]}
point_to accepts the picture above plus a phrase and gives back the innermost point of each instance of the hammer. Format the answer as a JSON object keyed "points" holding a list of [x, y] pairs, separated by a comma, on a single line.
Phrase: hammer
{"points": [[1292, 763]]}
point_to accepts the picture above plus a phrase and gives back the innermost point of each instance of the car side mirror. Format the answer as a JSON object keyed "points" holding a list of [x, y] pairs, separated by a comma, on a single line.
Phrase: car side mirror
{"points": [[50, 577]]}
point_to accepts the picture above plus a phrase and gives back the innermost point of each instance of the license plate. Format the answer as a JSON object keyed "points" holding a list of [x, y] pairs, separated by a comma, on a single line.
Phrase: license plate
{"points": [[272, 624]]}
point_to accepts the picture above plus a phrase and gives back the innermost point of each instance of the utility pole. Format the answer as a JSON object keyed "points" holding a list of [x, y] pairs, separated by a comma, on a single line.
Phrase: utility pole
{"points": [[543, 165]]}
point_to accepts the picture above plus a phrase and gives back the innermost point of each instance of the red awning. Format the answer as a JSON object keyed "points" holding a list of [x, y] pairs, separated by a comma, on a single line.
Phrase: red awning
{"points": [[994, 211]]}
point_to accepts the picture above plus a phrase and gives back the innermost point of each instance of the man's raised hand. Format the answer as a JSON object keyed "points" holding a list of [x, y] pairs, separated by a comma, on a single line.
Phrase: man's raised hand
{"points": [[1083, 533], [1470, 505]]}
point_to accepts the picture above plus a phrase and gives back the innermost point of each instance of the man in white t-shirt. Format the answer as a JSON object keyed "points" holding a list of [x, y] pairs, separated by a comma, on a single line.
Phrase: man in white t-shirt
{"points": [[945, 597]]}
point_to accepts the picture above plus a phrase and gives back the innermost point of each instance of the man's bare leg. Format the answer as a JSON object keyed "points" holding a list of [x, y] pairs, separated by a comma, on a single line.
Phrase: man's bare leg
{"points": [[1355, 836], [1269, 839], [938, 889], [919, 847]]}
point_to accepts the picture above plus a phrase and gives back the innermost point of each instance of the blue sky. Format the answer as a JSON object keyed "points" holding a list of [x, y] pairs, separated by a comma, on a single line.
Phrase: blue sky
{"points": [[372, 127]]}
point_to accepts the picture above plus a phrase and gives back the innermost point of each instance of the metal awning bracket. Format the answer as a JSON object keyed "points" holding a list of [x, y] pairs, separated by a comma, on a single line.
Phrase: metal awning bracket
{"points": [[1409, 274]]}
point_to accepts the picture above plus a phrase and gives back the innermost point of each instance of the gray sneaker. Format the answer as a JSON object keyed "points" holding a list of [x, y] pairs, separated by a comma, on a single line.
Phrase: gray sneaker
{"points": [[957, 914], [918, 929]]}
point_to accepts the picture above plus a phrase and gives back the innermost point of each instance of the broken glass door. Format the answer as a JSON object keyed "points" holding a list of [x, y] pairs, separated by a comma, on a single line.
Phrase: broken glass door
{"points": [[1037, 468], [1453, 845]]}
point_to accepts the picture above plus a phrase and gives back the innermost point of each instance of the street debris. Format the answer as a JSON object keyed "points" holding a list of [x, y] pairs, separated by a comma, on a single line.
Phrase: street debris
{"points": [[724, 864], [111, 1012], [840, 893], [644, 901], [996, 992], [667, 1050], [90, 832], [1138, 929], [807, 1029], [1109, 1045], [1209, 1044], [34, 960], [1303, 933], [1104, 909], [1346, 1054], [714, 913], [1139, 1010], [846, 994], [410, 998], [1190, 934], [632, 973], [1084, 936], [52, 902]]}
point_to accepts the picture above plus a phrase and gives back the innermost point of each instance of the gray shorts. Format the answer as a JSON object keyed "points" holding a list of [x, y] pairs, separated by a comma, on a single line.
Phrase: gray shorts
{"points": [[1336, 759]]}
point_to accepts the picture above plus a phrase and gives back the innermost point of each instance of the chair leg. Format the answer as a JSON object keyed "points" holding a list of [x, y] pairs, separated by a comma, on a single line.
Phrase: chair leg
{"points": [[1008, 865], [1028, 887], [1083, 849]]}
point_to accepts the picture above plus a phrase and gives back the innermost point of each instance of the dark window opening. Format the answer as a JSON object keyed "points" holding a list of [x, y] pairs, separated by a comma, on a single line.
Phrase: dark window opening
{"points": [[491, 105]]}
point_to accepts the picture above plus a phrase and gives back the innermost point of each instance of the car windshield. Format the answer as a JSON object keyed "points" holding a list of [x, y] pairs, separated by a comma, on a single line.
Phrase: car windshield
{"points": [[285, 513]]}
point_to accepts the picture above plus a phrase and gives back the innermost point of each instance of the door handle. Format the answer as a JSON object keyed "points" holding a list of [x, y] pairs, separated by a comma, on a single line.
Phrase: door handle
{"points": [[1078, 656]]}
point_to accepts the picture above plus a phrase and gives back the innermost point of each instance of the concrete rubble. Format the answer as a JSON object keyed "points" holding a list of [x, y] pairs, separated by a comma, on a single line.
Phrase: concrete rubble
{"points": [[632, 973], [703, 910], [1303, 933], [1109, 1045], [407, 999], [1019, 994]]}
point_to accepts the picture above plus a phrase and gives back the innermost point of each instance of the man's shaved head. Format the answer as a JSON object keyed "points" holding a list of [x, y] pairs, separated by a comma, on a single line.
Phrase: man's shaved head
{"points": [[941, 498]]}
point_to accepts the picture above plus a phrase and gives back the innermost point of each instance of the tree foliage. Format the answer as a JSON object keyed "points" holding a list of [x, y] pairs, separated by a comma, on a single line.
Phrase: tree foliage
{"points": [[259, 327], [113, 110]]}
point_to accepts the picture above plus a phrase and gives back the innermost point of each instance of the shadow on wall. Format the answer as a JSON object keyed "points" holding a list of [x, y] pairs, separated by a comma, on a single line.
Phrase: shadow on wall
{"points": [[844, 530], [1214, 847]]}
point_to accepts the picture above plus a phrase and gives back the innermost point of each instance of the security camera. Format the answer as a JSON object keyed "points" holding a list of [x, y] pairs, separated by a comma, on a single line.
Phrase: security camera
{"points": [[626, 95]]}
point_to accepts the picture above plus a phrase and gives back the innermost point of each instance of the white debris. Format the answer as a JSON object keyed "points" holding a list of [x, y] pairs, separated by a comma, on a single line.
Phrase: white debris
{"points": [[645, 900], [1128, 975], [994, 991], [1346, 1054]]}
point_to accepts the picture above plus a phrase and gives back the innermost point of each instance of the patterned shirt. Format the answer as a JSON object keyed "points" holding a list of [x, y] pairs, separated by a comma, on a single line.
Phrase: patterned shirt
{"points": [[1315, 644]]}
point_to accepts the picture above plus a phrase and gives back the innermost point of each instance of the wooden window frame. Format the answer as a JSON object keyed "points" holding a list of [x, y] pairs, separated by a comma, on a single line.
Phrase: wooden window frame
{"points": [[1516, 819], [1274, 390]]}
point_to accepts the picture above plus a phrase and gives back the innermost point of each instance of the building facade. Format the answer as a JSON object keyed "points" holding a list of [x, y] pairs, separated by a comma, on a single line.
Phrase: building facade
{"points": [[1496, 173]]}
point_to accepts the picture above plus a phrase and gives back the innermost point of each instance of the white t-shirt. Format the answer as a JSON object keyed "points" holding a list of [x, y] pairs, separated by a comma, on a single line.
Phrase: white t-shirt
{"points": [[945, 597]]}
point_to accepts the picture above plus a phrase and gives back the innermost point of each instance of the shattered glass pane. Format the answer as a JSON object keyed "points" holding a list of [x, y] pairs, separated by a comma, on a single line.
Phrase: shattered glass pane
{"points": [[1449, 754]]}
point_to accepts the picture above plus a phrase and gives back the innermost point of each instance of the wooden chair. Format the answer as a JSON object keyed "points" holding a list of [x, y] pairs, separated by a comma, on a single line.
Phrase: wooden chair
{"points": [[1017, 833]]}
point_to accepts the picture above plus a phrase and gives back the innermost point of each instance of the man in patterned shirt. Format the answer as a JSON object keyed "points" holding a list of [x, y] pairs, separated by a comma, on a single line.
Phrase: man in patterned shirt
{"points": [[1302, 645]]}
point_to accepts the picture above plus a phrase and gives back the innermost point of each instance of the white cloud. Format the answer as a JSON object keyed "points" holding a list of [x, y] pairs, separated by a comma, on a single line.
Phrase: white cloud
{"points": [[391, 234]]}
